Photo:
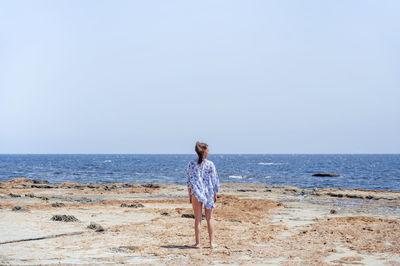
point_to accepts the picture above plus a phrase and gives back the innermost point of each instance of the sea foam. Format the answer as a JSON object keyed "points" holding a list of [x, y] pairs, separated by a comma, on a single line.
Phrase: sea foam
{"points": [[237, 176], [269, 163]]}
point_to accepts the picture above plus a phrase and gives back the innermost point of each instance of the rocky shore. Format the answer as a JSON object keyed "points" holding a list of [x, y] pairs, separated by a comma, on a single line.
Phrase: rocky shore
{"points": [[132, 223]]}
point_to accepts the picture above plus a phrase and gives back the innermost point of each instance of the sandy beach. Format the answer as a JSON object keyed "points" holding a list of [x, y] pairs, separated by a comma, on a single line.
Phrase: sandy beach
{"points": [[133, 223]]}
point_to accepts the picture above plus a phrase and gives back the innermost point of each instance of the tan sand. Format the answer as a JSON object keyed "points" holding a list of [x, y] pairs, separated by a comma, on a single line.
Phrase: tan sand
{"points": [[255, 224]]}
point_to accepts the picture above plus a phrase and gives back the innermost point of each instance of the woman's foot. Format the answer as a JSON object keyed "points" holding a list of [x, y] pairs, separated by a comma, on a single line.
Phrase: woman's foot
{"points": [[197, 245], [213, 246]]}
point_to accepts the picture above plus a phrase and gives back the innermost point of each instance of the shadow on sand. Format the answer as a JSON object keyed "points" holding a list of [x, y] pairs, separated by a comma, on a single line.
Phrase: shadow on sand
{"points": [[179, 247]]}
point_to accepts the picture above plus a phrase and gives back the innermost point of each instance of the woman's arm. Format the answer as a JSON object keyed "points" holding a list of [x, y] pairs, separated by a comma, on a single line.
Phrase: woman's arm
{"points": [[188, 182], [215, 179]]}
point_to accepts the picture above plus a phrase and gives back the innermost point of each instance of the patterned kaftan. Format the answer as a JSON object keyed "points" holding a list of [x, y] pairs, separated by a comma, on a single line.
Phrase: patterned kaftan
{"points": [[203, 180]]}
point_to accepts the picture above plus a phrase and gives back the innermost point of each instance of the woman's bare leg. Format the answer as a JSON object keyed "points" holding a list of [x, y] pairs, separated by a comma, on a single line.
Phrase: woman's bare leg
{"points": [[197, 207], [210, 226]]}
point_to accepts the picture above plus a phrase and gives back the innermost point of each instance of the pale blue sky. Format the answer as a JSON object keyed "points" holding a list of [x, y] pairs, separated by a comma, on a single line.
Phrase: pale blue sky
{"points": [[243, 76]]}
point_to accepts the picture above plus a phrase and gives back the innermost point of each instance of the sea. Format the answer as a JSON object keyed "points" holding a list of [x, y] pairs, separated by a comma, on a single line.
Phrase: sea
{"points": [[366, 171]]}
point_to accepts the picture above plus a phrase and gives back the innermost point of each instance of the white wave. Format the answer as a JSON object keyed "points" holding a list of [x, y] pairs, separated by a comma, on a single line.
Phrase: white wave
{"points": [[236, 176], [269, 163], [267, 176], [107, 161]]}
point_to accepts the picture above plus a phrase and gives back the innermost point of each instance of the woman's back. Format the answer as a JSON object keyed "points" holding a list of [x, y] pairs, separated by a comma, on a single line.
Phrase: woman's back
{"points": [[201, 170]]}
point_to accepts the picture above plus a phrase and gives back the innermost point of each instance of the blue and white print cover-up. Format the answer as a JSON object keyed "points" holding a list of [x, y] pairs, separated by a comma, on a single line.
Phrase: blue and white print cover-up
{"points": [[203, 180]]}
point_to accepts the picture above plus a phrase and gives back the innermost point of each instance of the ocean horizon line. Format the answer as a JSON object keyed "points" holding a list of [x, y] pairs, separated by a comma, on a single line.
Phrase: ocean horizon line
{"points": [[211, 154]]}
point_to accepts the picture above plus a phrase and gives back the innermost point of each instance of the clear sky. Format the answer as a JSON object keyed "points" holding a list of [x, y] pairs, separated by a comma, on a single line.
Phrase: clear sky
{"points": [[243, 76]]}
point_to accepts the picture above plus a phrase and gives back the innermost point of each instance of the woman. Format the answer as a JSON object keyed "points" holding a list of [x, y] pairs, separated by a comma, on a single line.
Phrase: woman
{"points": [[203, 186]]}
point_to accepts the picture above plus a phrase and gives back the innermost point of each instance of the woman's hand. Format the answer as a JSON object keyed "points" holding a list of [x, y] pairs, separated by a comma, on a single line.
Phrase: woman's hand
{"points": [[190, 195], [215, 198]]}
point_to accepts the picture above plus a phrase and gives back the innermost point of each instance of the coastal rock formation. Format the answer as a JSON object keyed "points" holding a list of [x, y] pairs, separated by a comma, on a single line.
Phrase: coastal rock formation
{"points": [[133, 205], [70, 185], [151, 185], [44, 186], [39, 181], [19, 209], [190, 215], [326, 174], [57, 204], [96, 227], [64, 218], [187, 215], [43, 198], [20, 180], [124, 249], [358, 193]]}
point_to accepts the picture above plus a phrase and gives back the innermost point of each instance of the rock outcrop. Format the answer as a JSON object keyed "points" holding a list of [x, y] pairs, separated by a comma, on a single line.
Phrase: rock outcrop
{"points": [[64, 218], [326, 174]]}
